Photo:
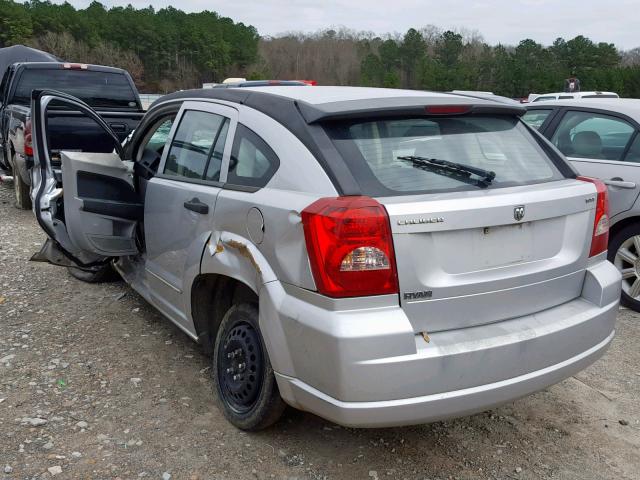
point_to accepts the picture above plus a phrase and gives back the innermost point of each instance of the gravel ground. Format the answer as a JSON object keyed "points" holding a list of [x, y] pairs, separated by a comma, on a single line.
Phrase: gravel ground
{"points": [[95, 384]]}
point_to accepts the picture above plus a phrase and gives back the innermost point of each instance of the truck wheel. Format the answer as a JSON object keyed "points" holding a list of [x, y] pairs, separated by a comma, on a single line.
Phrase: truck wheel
{"points": [[624, 253], [23, 198], [246, 388], [103, 274]]}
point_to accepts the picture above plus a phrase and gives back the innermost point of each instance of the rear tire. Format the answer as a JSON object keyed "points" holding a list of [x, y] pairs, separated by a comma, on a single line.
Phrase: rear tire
{"points": [[624, 253], [245, 385], [103, 274], [23, 198]]}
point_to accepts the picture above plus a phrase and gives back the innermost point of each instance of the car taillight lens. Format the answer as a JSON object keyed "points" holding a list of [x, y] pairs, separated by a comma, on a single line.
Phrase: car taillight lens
{"points": [[600, 237], [75, 66], [28, 139], [350, 247]]}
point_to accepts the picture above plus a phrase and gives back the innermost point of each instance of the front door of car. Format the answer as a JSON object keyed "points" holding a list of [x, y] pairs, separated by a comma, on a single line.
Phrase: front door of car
{"points": [[180, 201], [88, 207], [606, 146]]}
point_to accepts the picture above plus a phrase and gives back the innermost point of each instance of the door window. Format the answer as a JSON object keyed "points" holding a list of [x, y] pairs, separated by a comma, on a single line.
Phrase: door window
{"points": [[633, 155], [160, 135], [592, 135], [215, 161], [198, 142], [253, 162], [535, 118]]}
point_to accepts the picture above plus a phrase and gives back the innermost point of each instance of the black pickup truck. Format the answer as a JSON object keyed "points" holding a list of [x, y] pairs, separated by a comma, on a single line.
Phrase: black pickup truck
{"points": [[110, 91]]}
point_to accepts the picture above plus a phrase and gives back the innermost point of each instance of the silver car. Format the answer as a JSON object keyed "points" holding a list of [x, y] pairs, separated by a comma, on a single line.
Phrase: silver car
{"points": [[601, 138], [376, 257]]}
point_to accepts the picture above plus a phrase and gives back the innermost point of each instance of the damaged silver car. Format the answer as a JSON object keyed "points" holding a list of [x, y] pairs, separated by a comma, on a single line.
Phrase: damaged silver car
{"points": [[376, 257]]}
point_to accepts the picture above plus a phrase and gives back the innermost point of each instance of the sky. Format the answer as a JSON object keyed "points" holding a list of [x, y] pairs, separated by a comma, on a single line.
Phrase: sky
{"points": [[498, 21]]}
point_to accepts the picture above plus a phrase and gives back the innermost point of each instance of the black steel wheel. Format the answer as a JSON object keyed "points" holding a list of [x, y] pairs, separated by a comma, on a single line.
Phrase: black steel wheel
{"points": [[245, 384], [240, 364]]}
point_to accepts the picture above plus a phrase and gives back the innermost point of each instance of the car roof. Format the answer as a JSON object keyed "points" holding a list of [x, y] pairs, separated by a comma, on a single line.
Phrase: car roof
{"points": [[260, 83], [331, 103], [297, 109], [49, 65], [582, 92], [327, 94], [627, 106]]}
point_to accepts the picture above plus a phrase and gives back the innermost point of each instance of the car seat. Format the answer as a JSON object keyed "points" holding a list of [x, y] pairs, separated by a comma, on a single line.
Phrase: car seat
{"points": [[587, 144]]}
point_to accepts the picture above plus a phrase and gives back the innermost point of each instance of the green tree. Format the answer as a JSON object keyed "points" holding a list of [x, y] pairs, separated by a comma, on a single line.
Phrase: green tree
{"points": [[372, 71], [15, 24], [412, 52]]}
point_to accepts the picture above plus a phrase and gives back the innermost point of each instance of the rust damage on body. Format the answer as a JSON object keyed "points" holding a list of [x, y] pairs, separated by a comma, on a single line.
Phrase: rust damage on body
{"points": [[244, 251]]}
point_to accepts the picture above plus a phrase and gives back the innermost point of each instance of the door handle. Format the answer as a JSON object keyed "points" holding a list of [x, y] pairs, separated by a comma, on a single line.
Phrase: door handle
{"points": [[195, 205], [118, 127], [619, 183]]}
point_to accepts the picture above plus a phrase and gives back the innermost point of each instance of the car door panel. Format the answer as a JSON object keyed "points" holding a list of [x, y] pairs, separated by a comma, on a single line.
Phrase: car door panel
{"points": [[90, 208], [179, 216], [621, 177], [101, 206]]}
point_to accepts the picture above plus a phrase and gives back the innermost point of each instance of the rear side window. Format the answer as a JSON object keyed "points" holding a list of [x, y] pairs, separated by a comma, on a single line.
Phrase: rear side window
{"points": [[193, 148], [253, 162], [97, 89], [387, 156], [592, 135], [535, 118]]}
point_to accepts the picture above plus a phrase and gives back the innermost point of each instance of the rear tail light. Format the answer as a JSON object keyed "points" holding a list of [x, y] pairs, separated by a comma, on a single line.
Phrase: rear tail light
{"points": [[28, 139], [600, 237], [350, 247]]}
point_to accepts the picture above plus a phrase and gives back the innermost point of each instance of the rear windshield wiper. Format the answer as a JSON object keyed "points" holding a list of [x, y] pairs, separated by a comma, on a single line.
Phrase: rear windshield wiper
{"points": [[455, 170]]}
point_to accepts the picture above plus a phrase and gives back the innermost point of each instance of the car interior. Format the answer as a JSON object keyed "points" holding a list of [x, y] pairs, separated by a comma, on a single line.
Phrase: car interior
{"points": [[588, 135]]}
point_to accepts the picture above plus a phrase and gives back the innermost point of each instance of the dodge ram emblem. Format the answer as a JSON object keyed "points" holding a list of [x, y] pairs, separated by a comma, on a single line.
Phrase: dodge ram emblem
{"points": [[518, 212]]}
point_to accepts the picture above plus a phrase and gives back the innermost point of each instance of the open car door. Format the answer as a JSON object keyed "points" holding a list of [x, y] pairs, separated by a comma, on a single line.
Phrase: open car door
{"points": [[86, 202]]}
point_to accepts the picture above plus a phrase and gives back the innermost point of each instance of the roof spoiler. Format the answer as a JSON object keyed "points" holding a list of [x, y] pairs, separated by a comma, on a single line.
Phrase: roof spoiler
{"points": [[402, 106]]}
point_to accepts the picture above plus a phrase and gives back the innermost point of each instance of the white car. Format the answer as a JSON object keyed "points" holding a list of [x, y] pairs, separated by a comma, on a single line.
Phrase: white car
{"points": [[534, 97]]}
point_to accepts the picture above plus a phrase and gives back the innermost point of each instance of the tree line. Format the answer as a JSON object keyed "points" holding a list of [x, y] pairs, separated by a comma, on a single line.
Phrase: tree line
{"points": [[169, 49], [164, 50], [443, 60]]}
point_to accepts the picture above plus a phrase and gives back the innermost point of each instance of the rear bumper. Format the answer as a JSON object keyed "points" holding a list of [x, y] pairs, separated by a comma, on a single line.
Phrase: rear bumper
{"points": [[439, 406], [366, 367]]}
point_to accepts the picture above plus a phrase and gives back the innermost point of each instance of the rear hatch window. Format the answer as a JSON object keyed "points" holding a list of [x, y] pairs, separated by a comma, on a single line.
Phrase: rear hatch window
{"points": [[437, 154], [98, 89]]}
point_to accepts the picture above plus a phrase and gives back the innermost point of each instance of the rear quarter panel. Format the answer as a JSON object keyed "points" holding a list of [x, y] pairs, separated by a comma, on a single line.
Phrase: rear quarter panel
{"points": [[297, 183]]}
